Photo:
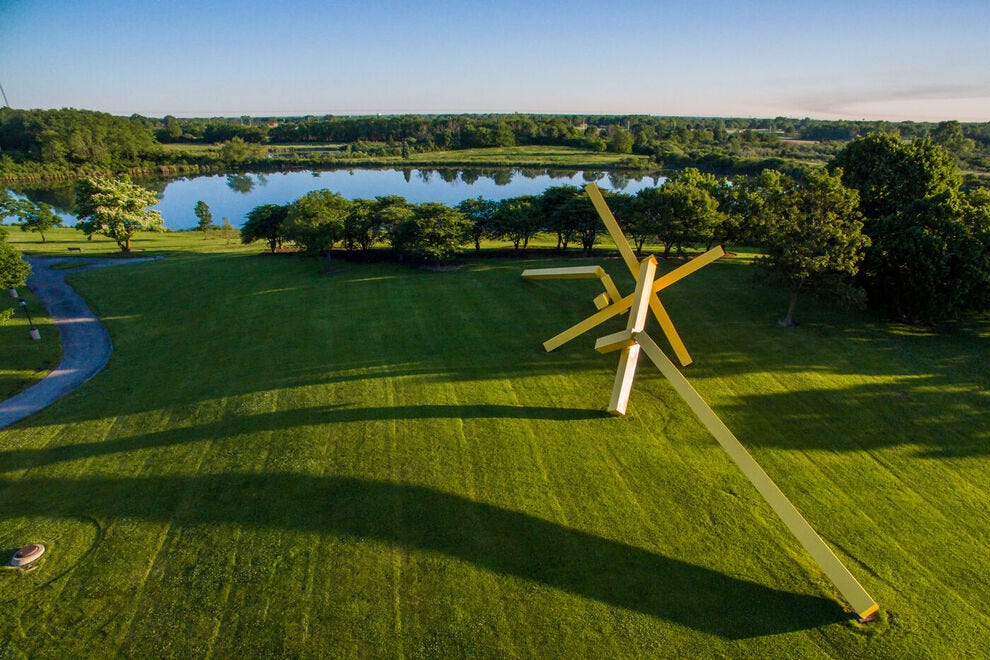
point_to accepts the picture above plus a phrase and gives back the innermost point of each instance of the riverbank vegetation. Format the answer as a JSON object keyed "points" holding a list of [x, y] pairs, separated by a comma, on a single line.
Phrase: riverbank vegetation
{"points": [[54, 144]]}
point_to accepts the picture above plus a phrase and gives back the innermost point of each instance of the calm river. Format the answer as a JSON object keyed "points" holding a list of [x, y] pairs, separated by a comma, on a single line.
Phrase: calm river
{"points": [[234, 195]]}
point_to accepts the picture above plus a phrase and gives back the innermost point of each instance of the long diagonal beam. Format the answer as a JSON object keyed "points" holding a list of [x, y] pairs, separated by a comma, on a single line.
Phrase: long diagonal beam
{"points": [[861, 602]]}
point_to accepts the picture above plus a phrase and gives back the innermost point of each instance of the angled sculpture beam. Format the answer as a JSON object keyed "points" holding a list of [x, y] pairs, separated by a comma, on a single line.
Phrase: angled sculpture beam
{"points": [[622, 305], [619, 304], [632, 263], [850, 588], [578, 273]]}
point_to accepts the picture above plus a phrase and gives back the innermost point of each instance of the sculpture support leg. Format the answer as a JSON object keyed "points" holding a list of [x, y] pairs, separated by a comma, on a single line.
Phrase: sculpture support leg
{"points": [[840, 576], [624, 377]]}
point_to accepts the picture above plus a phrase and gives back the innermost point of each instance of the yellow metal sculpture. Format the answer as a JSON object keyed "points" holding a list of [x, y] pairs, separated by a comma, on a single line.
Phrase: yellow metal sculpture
{"points": [[634, 339]]}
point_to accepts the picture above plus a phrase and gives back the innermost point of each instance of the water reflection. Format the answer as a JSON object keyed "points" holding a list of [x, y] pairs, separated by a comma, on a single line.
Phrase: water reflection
{"points": [[234, 195], [242, 183]]}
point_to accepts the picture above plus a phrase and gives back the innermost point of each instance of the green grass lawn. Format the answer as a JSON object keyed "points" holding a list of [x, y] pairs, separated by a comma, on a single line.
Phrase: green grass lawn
{"points": [[24, 361], [375, 460]]}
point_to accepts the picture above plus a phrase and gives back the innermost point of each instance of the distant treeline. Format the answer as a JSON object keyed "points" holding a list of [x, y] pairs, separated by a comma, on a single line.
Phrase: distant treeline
{"points": [[68, 142]]}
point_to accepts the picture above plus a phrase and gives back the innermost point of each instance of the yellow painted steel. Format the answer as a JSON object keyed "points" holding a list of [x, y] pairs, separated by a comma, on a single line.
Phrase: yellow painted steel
{"points": [[621, 305], [642, 294], [631, 341], [629, 257], [605, 213], [626, 340], [683, 271], [571, 273], [610, 288], [614, 342], [861, 602], [624, 377]]}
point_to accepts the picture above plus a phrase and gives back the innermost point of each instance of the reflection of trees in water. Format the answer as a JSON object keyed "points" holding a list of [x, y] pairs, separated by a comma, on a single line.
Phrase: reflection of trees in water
{"points": [[589, 175], [502, 177], [470, 176], [617, 181], [262, 179], [532, 172], [448, 175], [242, 183], [60, 198], [407, 174], [425, 175], [557, 173]]}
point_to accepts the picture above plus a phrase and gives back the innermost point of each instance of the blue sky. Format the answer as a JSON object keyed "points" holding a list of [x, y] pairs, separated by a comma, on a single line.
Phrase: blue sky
{"points": [[869, 59]]}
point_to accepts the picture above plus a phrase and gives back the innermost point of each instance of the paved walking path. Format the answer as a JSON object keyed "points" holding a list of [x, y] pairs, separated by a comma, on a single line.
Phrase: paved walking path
{"points": [[86, 346]]}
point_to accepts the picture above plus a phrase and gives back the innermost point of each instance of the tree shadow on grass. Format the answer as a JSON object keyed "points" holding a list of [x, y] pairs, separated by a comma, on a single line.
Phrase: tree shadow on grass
{"points": [[18, 459], [503, 541], [944, 423]]}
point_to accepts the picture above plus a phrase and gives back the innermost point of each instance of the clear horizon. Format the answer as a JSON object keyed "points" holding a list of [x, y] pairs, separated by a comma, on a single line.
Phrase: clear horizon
{"points": [[922, 61]]}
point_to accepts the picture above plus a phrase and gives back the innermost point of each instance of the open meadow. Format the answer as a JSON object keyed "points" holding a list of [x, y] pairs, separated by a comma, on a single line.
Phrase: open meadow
{"points": [[286, 459]]}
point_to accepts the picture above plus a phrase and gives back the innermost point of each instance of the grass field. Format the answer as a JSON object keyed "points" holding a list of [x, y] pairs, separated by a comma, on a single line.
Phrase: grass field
{"points": [[524, 156], [383, 461], [24, 361]]}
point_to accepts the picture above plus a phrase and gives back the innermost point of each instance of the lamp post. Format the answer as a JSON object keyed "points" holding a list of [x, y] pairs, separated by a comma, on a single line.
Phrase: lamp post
{"points": [[33, 332], [12, 291]]}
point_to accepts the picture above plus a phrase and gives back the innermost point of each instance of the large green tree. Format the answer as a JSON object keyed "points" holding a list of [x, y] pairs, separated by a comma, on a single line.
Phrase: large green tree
{"points": [[676, 213], [814, 240], [927, 261], [316, 220], [432, 234], [115, 208]]}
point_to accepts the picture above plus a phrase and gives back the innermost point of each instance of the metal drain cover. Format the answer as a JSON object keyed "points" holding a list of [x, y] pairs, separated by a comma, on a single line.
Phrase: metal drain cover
{"points": [[27, 554]]}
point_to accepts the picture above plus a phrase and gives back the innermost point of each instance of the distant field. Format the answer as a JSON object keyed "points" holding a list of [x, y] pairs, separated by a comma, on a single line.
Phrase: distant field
{"points": [[534, 156], [371, 460]]}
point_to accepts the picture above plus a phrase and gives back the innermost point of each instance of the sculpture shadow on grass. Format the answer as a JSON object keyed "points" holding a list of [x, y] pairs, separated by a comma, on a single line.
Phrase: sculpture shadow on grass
{"points": [[493, 538], [19, 459]]}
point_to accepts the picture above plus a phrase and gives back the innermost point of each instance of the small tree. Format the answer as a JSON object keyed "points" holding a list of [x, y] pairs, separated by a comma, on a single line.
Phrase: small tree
{"points": [[361, 226], [551, 203], [265, 223], [35, 216], [580, 216], [205, 216], [13, 269], [816, 241], [115, 208], [518, 220], [481, 213], [236, 150]]}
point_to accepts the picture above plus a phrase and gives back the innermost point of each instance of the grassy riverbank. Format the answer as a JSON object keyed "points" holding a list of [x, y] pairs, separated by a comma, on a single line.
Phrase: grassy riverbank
{"points": [[375, 460]]}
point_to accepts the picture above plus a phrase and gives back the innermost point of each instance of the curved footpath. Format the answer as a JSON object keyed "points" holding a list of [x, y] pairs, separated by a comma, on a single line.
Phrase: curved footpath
{"points": [[86, 346]]}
